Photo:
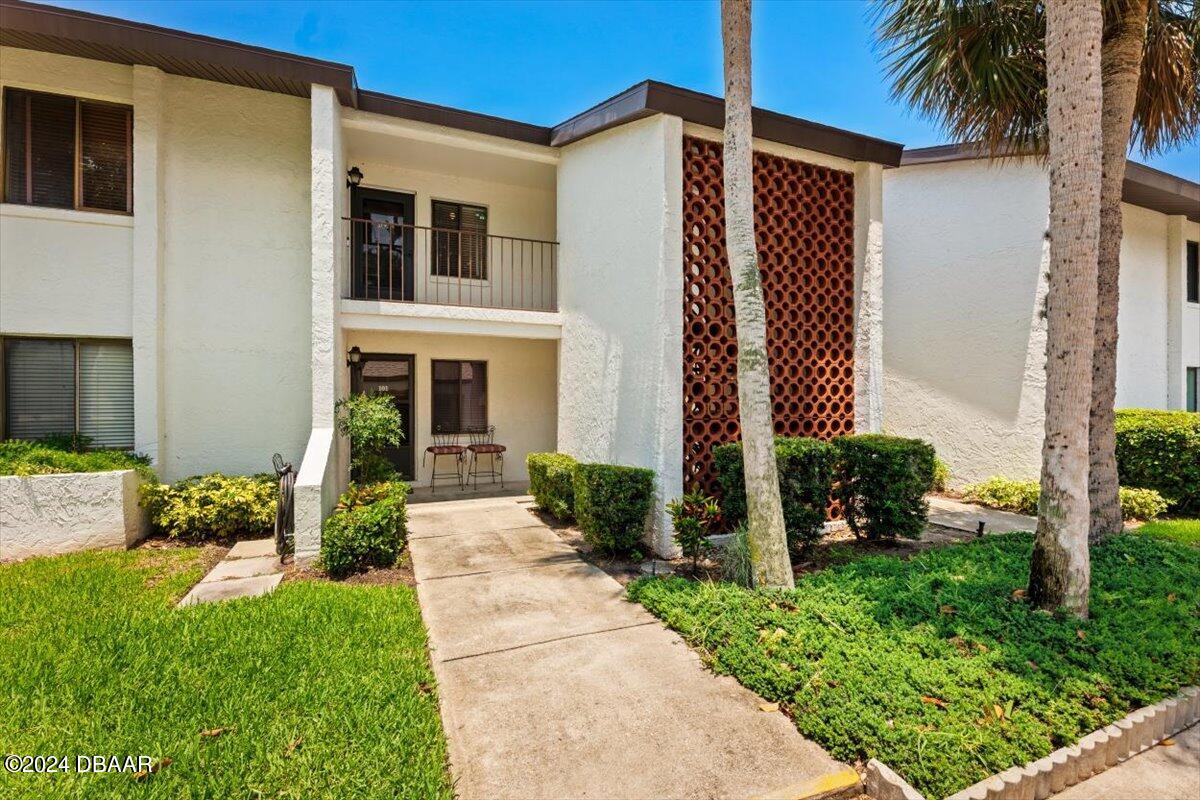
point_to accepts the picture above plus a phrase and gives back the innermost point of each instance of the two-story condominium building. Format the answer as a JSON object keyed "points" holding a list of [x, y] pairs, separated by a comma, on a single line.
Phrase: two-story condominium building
{"points": [[967, 258], [205, 245]]}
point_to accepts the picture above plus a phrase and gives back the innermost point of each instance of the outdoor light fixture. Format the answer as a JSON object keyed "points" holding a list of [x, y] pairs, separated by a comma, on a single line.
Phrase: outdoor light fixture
{"points": [[354, 177], [353, 357]]}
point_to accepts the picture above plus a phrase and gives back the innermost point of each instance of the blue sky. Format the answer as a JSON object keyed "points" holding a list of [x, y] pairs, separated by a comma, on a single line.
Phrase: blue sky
{"points": [[543, 61]]}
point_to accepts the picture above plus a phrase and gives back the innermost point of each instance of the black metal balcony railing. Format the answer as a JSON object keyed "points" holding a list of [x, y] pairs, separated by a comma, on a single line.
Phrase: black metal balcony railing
{"points": [[419, 264]]}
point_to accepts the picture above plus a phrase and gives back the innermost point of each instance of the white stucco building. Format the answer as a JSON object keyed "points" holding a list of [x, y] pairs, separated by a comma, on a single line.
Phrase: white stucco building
{"points": [[964, 285], [204, 245]]}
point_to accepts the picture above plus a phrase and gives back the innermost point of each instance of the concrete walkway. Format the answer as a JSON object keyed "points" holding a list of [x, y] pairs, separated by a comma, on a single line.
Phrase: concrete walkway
{"points": [[552, 685], [249, 569], [967, 516], [1160, 773]]}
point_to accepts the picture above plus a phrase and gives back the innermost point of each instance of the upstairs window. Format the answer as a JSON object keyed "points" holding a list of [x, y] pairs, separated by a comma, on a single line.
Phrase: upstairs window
{"points": [[1193, 272], [64, 152], [459, 396], [460, 240]]}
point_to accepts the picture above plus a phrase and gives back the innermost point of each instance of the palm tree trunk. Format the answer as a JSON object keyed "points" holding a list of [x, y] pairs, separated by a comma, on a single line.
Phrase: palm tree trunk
{"points": [[767, 537], [1121, 67], [1060, 571]]}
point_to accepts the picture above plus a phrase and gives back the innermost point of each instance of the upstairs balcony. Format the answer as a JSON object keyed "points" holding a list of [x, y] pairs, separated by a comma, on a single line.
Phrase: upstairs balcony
{"points": [[400, 263]]}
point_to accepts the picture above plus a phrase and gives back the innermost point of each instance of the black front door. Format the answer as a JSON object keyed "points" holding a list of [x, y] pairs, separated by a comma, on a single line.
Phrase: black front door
{"points": [[383, 244], [393, 375]]}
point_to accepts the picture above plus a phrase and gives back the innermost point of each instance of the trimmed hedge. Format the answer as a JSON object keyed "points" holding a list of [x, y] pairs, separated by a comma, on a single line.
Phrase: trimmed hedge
{"points": [[805, 480], [1161, 450], [552, 482], [369, 529], [881, 482], [212, 506], [611, 504]]}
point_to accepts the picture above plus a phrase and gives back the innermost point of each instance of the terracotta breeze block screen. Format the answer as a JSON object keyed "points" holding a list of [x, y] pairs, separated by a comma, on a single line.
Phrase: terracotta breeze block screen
{"points": [[804, 218]]}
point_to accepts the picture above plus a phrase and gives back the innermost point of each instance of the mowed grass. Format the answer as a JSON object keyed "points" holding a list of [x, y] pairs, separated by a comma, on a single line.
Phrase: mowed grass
{"points": [[324, 690], [1186, 531], [935, 667]]}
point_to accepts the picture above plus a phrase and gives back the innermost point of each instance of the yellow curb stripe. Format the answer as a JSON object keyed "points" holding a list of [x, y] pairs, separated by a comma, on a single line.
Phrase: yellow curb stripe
{"points": [[825, 786]]}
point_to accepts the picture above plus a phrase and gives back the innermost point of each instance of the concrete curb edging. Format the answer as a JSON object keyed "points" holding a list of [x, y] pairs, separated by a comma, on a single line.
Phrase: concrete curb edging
{"points": [[1067, 766]]}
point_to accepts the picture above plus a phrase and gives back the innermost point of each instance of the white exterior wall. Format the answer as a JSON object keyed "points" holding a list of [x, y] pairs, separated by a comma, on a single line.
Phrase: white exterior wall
{"points": [[219, 247], [965, 259], [522, 397], [43, 515], [620, 220]]}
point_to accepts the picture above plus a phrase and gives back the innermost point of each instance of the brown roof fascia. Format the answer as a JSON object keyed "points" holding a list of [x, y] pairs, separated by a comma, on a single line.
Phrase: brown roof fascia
{"points": [[379, 103], [653, 97], [1144, 186], [76, 33]]}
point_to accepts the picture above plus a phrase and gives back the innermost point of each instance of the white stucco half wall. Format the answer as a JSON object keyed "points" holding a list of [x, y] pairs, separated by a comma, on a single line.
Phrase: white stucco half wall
{"points": [[620, 221], [43, 515]]}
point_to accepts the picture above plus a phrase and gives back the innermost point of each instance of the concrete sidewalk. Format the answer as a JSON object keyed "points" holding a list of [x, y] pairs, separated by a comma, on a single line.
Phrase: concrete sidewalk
{"points": [[552, 685], [1160, 773], [967, 516]]}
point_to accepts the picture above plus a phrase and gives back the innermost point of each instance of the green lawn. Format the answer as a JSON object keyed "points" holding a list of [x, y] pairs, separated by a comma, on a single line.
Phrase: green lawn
{"points": [[932, 664], [1177, 530], [325, 689]]}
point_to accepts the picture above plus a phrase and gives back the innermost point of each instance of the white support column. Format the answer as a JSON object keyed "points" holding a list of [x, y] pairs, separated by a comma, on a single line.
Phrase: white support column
{"points": [[318, 480], [868, 298], [1176, 297], [149, 429]]}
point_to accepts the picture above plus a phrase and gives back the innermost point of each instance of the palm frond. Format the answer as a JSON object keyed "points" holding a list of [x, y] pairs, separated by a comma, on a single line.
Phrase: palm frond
{"points": [[1167, 113]]}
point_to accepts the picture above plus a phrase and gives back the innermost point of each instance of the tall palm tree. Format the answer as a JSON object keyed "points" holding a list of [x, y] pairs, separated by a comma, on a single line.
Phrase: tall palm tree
{"points": [[767, 535], [978, 67], [1060, 571]]}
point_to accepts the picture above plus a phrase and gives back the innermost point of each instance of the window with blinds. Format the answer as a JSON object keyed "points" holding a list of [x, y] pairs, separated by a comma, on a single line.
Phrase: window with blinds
{"points": [[460, 240], [64, 386], [64, 152], [459, 396]]}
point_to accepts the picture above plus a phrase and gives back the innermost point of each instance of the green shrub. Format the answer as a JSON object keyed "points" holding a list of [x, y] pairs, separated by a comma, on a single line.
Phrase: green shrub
{"points": [[735, 559], [552, 482], [212, 506], [371, 422], [611, 504], [1161, 450], [694, 517], [1006, 494], [941, 475], [1021, 497], [805, 478], [881, 482], [369, 529], [18, 457]]}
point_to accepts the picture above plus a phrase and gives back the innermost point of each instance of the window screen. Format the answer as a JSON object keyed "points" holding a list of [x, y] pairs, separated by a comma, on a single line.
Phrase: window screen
{"points": [[1193, 272], [460, 240], [63, 152], [106, 393], [39, 387], [459, 396], [63, 386]]}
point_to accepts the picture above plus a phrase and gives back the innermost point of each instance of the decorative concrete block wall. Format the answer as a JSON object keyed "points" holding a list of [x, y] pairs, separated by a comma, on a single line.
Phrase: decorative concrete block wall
{"points": [[48, 514]]}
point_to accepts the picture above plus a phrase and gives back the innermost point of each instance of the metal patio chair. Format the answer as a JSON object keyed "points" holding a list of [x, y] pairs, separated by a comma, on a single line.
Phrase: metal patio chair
{"points": [[445, 444], [483, 444]]}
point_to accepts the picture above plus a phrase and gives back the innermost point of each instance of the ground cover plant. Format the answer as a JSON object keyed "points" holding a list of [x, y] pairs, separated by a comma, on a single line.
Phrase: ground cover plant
{"points": [[316, 690], [18, 457], [936, 664]]}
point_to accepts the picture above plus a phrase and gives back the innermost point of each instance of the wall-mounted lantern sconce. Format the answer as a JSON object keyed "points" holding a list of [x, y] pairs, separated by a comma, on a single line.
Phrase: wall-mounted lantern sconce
{"points": [[354, 177], [353, 357]]}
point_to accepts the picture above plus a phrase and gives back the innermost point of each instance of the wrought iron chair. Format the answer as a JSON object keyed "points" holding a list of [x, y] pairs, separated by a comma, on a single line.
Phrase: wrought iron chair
{"points": [[483, 444], [445, 444]]}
